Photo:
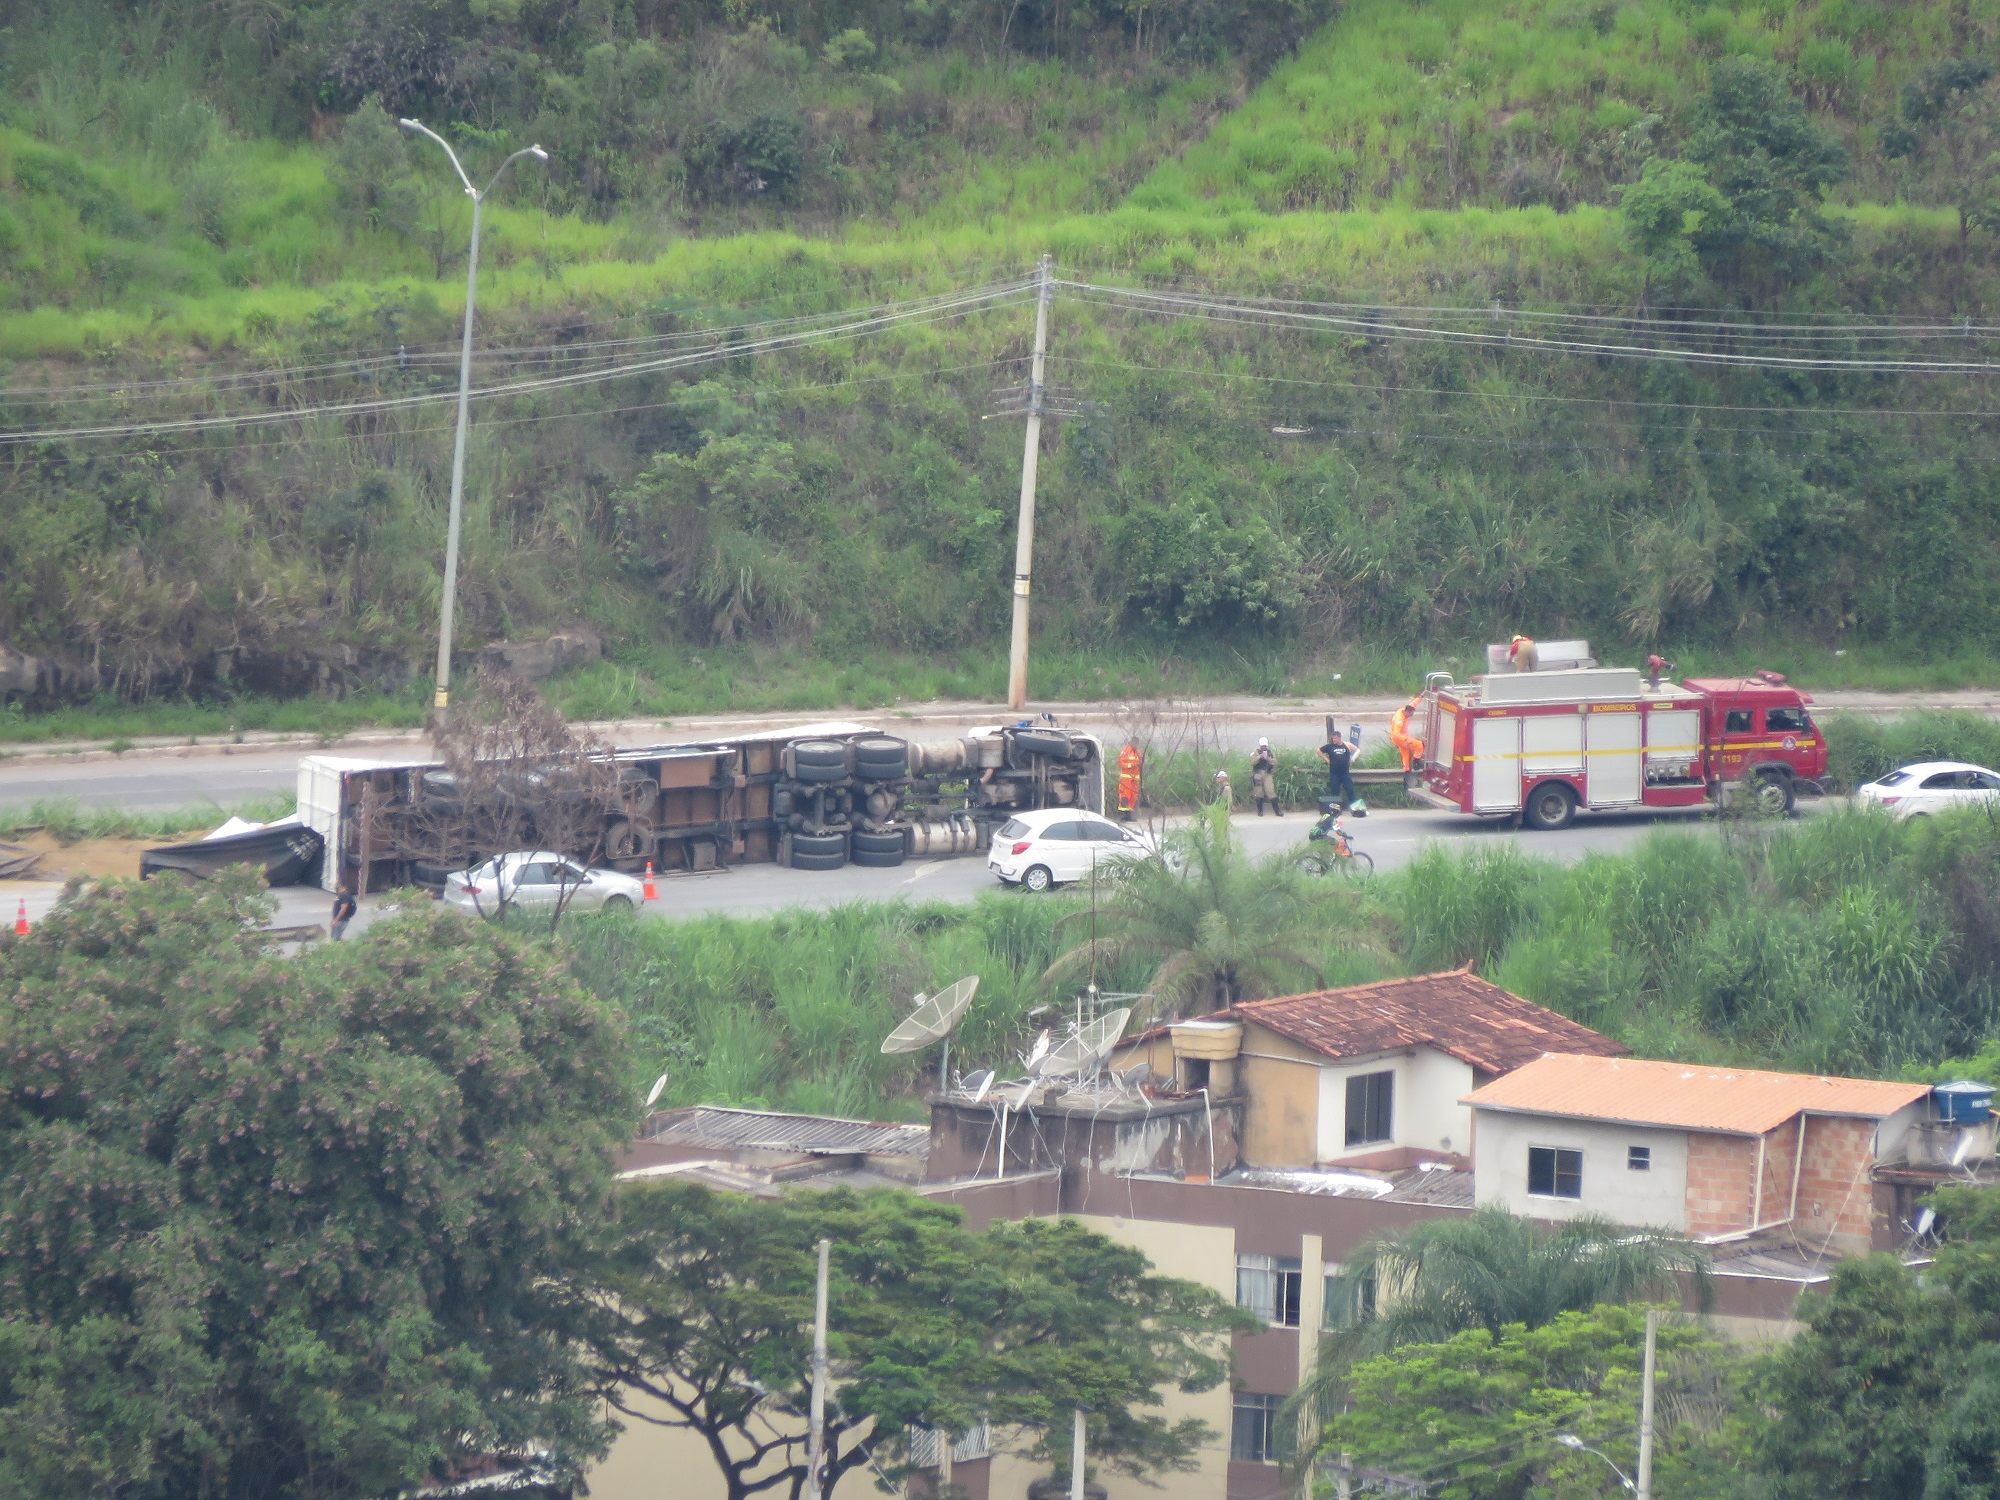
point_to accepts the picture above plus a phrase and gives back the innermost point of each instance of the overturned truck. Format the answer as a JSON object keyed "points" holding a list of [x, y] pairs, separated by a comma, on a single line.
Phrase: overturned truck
{"points": [[813, 797]]}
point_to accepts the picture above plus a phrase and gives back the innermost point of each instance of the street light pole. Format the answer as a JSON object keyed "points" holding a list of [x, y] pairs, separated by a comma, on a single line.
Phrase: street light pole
{"points": [[478, 197]]}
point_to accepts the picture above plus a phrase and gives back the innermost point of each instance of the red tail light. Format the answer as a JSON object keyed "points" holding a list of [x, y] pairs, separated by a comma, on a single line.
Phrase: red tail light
{"points": [[1891, 799], [1022, 847]]}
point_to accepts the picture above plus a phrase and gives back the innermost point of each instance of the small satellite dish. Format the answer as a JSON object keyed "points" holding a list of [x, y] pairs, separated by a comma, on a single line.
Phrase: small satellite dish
{"points": [[1039, 1051], [1136, 1075], [653, 1094], [1089, 1047], [981, 1084], [1963, 1149], [933, 1018], [1925, 1219]]}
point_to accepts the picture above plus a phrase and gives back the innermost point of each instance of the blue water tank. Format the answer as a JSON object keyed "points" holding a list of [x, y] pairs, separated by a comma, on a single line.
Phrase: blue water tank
{"points": [[1963, 1102]]}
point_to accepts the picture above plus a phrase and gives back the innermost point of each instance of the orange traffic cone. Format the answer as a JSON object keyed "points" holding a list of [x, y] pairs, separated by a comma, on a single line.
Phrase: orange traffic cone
{"points": [[21, 919], [650, 893]]}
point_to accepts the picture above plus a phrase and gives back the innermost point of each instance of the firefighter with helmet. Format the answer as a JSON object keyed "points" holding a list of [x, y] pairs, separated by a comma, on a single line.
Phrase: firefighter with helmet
{"points": [[1521, 654], [1129, 763], [1399, 732]]}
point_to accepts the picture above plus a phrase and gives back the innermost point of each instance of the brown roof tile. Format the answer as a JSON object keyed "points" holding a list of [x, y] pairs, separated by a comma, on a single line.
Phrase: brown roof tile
{"points": [[1457, 1013]]}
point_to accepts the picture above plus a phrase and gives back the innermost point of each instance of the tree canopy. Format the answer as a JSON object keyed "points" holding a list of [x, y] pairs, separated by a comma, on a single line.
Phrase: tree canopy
{"points": [[1487, 1271], [1218, 926], [708, 1316], [1894, 1387], [1479, 1413], [288, 1228]]}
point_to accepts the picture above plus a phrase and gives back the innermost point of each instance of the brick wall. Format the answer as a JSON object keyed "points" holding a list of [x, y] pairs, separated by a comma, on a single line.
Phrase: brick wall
{"points": [[1721, 1175], [1836, 1195]]}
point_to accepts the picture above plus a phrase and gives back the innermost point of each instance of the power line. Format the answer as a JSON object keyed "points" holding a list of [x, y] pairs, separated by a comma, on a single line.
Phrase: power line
{"points": [[1240, 310], [933, 311], [1417, 390]]}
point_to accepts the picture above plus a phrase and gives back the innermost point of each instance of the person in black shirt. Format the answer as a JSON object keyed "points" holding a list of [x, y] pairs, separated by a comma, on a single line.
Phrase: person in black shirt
{"points": [[343, 908], [1339, 758]]}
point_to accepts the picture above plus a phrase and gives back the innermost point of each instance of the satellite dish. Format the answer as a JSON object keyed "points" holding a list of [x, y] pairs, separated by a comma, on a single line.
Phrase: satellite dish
{"points": [[1963, 1149], [1136, 1075], [659, 1087], [933, 1018], [1925, 1219], [981, 1084], [1039, 1051], [1089, 1047]]}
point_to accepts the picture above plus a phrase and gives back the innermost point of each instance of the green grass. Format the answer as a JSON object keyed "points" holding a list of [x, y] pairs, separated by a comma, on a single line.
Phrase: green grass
{"points": [[67, 820], [1842, 943]]}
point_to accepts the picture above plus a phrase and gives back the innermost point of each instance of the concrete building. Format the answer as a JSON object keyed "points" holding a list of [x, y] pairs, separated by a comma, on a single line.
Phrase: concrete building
{"points": [[1373, 1076], [1263, 1145], [1719, 1154]]}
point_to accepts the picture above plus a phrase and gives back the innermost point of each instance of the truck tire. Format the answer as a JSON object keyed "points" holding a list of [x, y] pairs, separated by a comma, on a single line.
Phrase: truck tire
{"points": [[819, 851], [1773, 794], [626, 843], [879, 851], [1045, 742], [1550, 806], [881, 758], [819, 760]]}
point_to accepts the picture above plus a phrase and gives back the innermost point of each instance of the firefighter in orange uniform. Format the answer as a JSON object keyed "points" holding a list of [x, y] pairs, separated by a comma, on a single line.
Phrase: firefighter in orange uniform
{"points": [[1129, 761], [1400, 736]]}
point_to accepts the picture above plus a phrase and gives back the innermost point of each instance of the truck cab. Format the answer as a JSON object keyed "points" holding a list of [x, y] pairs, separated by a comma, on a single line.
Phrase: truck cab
{"points": [[1760, 735]]}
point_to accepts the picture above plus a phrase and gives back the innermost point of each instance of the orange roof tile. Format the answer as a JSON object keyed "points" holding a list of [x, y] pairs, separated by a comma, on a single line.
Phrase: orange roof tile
{"points": [[1638, 1091], [1458, 1013]]}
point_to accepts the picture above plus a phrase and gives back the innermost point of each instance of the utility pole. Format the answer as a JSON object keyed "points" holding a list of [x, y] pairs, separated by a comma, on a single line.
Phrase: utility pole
{"points": [[442, 700], [1076, 1445], [1644, 1485], [1031, 452], [816, 1432]]}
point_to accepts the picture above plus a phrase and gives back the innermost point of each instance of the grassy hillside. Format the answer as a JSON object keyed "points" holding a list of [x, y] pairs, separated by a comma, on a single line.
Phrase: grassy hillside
{"points": [[178, 208]]}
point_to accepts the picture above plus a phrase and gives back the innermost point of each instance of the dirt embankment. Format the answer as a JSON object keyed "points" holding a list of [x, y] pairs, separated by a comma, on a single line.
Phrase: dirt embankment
{"points": [[59, 861]]}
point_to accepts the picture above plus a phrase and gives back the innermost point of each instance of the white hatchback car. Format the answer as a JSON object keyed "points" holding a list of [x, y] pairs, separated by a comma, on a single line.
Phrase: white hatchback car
{"points": [[1061, 844], [1932, 786], [537, 881]]}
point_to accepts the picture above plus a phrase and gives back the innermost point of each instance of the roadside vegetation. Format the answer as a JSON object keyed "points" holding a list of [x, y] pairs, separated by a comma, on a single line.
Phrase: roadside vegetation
{"points": [[186, 198], [1840, 943]]}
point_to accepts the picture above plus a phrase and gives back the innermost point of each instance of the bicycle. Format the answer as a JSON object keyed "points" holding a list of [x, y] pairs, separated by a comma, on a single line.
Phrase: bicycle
{"points": [[1340, 856]]}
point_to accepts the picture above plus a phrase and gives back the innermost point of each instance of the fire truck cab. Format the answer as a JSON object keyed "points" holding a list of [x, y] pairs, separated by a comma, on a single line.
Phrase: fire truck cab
{"points": [[1544, 743]]}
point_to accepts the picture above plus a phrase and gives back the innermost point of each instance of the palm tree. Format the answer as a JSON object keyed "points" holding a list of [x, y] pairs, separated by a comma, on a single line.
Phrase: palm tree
{"points": [[1218, 926], [1487, 1270]]}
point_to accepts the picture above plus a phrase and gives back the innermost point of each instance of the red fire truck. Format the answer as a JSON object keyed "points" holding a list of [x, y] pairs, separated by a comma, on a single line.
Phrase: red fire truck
{"points": [[1569, 734]]}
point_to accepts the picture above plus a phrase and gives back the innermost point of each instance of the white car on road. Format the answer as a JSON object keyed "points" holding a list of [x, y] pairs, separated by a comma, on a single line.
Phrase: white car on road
{"points": [[1932, 786], [538, 881], [1057, 845]]}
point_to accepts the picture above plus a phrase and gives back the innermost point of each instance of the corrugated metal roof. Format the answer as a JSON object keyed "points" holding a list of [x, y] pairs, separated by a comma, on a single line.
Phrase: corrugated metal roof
{"points": [[769, 1130], [1458, 1013], [1636, 1091]]}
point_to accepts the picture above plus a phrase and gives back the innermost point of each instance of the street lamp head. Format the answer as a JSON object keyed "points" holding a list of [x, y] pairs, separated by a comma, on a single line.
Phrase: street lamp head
{"points": [[409, 124], [1569, 1440], [538, 153]]}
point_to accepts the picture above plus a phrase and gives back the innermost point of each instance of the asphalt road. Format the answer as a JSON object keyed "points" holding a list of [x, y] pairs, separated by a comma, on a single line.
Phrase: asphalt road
{"points": [[1392, 836]]}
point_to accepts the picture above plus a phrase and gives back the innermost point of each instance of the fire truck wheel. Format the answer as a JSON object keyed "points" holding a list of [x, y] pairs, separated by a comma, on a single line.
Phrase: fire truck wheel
{"points": [[1038, 879], [1550, 806], [1774, 794], [819, 760]]}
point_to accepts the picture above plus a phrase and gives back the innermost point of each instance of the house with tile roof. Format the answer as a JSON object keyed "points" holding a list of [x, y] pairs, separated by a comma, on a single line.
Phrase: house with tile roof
{"points": [[1370, 1076], [1720, 1154]]}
